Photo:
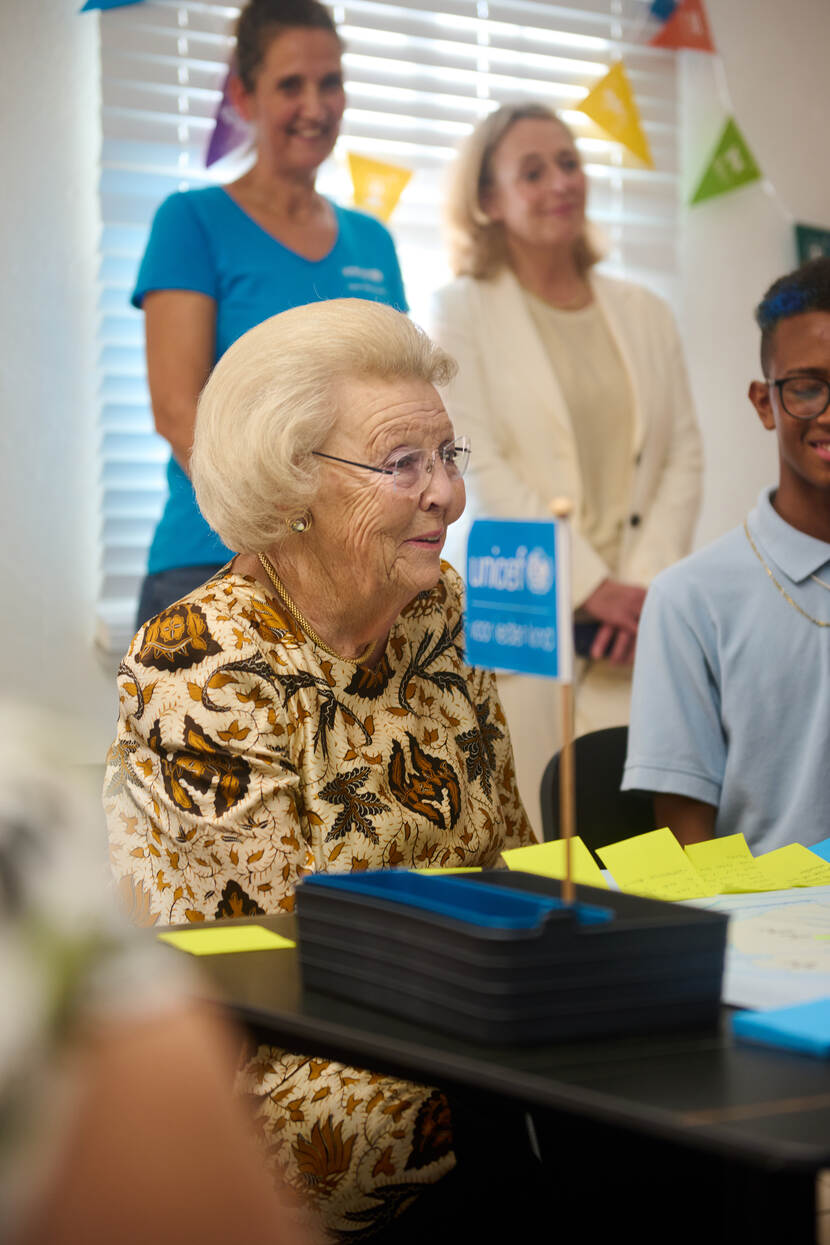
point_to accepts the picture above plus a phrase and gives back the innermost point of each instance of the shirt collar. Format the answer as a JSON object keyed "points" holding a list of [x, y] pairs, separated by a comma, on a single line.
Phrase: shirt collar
{"points": [[797, 554]]}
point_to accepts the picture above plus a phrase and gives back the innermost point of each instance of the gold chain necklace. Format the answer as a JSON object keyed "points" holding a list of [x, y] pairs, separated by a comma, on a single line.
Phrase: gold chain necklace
{"points": [[302, 622], [817, 622]]}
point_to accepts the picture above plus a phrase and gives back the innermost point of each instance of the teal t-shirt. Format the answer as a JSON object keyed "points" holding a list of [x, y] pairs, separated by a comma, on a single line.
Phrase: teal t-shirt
{"points": [[201, 240]]}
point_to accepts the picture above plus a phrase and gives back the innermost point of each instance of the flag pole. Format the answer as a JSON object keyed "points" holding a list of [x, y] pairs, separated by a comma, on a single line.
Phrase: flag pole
{"points": [[561, 509]]}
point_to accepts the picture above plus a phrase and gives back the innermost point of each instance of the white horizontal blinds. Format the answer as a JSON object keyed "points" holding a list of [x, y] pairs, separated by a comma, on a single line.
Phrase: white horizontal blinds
{"points": [[162, 67], [418, 78]]}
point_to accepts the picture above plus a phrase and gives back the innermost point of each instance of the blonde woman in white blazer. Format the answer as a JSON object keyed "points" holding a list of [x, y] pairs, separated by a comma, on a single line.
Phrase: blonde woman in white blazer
{"points": [[569, 384]]}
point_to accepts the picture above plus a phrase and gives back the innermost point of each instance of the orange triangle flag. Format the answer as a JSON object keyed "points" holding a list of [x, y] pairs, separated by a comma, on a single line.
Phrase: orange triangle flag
{"points": [[686, 28], [612, 106]]}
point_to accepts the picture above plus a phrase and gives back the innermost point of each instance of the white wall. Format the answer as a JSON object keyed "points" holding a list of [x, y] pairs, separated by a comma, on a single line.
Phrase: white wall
{"points": [[48, 236], [774, 60], [771, 72]]}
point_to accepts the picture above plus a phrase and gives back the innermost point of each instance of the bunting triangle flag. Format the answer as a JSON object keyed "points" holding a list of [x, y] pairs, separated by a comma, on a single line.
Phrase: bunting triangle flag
{"points": [[229, 130], [687, 27], [731, 165], [377, 186], [611, 104], [106, 4], [662, 9]]}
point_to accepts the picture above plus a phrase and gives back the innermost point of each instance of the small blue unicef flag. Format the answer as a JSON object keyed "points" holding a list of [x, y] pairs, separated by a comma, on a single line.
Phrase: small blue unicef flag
{"points": [[518, 612]]}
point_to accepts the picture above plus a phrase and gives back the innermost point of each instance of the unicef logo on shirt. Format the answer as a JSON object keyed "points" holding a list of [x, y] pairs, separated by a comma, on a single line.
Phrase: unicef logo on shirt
{"points": [[539, 572]]}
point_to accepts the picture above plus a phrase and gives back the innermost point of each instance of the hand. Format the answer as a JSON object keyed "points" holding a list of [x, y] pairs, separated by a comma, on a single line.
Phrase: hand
{"points": [[618, 607]]}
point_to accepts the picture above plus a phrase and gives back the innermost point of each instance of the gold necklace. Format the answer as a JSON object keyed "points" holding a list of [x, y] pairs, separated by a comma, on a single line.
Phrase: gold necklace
{"points": [[302, 622], [817, 622], [822, 583]]}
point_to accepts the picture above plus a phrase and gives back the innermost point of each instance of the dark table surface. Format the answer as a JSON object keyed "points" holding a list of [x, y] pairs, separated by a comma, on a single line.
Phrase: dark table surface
{"points": [[701, 1090]]}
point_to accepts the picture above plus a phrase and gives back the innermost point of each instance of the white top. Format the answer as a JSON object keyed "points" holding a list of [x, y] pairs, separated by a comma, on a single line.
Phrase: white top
{"points": [[596, 390], [508, 399]]}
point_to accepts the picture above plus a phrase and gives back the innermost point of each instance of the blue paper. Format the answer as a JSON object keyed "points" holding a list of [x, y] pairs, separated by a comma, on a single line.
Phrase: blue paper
{"points": [[822, 849], [805, 1027]]}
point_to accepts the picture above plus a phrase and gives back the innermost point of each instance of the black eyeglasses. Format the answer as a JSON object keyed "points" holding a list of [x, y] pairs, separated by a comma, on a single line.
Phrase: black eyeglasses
{"points": [[411, 469], [803, 397]]}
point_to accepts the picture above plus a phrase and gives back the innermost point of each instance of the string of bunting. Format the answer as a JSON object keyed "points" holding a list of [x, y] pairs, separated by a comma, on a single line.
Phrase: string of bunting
{"points": [[611, 105]]}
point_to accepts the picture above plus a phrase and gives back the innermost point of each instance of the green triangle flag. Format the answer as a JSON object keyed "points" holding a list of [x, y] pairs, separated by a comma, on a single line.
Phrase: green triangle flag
{"points": [[732, 165]]}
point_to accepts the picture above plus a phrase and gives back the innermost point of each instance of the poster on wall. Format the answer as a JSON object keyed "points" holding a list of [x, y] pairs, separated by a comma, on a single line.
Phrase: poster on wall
{"points": [[811, 242]]}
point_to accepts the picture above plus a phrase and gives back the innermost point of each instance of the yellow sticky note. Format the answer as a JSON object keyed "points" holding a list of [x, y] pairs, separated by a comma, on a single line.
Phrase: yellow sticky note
{"points": [[452, 869], [794, 865], [728, 866], [225, 939], [548, 860], [654, 864]]}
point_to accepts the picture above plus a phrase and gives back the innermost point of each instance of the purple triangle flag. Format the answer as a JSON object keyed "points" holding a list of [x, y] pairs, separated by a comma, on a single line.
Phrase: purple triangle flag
{"points": [[229, 130]]}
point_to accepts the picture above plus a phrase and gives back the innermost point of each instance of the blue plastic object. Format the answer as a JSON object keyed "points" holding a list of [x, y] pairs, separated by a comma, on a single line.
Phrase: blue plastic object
{"points": [[490, 906], [803, 1027], [497, 957]]}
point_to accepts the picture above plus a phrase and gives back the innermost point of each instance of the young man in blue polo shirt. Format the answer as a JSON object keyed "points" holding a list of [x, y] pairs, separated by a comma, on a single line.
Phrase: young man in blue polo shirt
{"points": [[730, 717]]}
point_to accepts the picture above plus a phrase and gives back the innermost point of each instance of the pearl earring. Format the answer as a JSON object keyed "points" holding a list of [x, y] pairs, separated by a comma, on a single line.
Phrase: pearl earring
{"points": [[301, 524]]}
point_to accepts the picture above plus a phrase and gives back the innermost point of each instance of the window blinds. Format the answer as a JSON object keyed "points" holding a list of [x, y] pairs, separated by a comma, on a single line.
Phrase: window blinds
{"points": [[418, 77]]}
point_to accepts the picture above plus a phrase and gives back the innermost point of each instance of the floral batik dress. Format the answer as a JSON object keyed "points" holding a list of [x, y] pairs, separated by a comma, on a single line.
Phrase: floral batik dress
{"points": [[247, 758]]}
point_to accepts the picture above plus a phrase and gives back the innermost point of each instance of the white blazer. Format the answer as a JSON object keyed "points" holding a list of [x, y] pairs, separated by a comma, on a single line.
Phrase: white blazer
{"points": [[507, 399]]}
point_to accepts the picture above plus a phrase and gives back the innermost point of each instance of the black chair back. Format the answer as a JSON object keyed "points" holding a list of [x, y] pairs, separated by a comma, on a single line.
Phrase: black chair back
{"points": [[604, 814]]}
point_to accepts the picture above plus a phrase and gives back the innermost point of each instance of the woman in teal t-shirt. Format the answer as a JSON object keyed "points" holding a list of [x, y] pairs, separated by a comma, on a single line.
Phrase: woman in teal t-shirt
{"points": [[222, 259]]}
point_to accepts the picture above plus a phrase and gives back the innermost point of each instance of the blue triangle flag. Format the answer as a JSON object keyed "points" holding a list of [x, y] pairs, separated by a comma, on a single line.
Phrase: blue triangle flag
{"points": [[106, 4]]}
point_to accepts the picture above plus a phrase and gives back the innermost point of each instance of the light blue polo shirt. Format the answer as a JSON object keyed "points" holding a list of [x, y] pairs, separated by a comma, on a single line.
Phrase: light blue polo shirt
{"points": [[731, 698]]}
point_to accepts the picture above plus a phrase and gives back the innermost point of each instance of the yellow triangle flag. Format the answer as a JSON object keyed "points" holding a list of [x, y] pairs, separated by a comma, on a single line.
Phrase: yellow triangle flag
{"points": [[377, 186], [611, 104]]}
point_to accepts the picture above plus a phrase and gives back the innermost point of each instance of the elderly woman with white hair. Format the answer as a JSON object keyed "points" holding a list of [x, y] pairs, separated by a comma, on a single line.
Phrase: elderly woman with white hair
{"points": [[309, 708]]}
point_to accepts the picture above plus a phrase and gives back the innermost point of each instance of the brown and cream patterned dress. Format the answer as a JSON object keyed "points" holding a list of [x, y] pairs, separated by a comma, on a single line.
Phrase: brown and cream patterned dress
{"points": [[245, 759]]}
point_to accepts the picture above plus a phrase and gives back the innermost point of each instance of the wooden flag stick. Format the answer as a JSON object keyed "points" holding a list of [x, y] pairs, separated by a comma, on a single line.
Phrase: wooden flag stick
{"points": [[560, 508]]}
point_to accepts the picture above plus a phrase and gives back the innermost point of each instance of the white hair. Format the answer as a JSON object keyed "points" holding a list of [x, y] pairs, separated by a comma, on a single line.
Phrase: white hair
{"points": [[273, 398]]}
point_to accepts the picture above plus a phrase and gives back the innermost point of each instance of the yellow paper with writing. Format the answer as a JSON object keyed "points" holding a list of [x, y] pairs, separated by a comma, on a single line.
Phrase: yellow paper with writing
{"points": [[452, 869], [548, 860], [226, 939], [377, 186], [728, 866], [654, 864], [611, 104], [793, 865]]}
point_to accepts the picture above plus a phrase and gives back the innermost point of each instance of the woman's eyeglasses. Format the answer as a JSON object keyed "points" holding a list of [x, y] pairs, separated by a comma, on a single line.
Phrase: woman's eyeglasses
{"points": [[410, 470], [803, 397]]}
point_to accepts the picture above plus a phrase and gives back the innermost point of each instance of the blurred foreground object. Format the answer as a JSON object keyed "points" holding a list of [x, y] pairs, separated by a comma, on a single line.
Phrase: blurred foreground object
{"points": [[116, 1115]]}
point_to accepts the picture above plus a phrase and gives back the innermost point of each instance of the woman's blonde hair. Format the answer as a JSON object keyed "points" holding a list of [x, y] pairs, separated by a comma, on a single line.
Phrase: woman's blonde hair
{"points": [[273, 398], [476, 243]]}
